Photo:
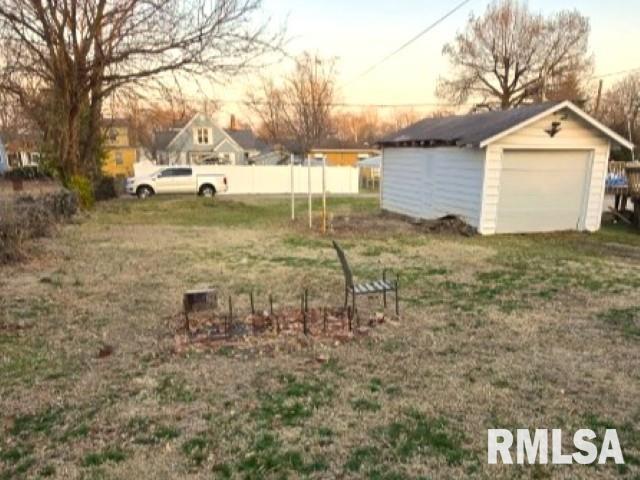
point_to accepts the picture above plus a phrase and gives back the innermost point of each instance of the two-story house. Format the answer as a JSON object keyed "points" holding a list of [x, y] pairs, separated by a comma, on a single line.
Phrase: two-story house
{"points": [[200, 142], [120, 154]]}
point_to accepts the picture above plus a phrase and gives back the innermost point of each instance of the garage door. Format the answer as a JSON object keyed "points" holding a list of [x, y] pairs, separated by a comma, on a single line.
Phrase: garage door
{"points": [[542, 191]]}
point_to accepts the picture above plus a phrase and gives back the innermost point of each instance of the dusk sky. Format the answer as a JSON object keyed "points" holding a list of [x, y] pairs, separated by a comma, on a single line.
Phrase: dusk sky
{"points": [[360, 32]]}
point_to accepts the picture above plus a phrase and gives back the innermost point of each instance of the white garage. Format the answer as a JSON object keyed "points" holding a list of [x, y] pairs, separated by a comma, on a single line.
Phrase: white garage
{"points": [[538, 168]]}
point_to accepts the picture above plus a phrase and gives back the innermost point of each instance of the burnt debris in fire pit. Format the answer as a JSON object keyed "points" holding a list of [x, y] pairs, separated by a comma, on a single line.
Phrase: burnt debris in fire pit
{"points": [[265, 328], [198, 300]]}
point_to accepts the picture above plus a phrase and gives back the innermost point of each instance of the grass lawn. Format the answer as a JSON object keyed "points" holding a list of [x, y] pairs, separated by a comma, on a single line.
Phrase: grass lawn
{"points": [[506, 332]]}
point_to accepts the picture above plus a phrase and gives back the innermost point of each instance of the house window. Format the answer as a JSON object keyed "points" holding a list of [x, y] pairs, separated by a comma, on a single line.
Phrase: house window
{"points": [[202, 136], [119, 159]]}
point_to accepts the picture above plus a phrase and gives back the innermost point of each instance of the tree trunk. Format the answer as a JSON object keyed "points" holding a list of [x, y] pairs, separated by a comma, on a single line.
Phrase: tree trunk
{"points": [[91, 149], [71, 155]]}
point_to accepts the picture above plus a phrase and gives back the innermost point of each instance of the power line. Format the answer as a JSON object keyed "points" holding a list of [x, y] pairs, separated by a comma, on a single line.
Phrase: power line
{"points": [[620, 72], [205, 98], [412, 40]]}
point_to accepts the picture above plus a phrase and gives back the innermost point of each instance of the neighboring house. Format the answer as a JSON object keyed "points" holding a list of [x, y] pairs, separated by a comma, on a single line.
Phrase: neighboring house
{"points": [[338, 156], [201, 142], [120, 154], [21, 149], [537, 168]]}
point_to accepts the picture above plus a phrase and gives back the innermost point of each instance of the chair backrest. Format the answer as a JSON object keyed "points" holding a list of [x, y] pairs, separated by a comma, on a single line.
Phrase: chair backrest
{"points": [[348, 276]]}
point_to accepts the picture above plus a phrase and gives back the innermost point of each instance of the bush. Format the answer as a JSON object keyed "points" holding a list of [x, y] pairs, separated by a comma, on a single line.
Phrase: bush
{"points": [[82, 187], [25, 218], [105, 189], [26, 173]]}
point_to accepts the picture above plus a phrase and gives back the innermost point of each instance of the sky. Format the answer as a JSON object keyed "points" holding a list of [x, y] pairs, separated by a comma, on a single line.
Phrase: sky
{"points": [[358, 33]]}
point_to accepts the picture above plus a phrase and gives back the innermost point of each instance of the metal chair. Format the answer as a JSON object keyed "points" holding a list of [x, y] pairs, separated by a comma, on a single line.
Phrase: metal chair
{"points": [[370, 288]]}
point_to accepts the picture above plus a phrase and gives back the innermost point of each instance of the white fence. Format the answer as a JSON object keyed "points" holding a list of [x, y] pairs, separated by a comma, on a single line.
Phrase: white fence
{"points": [[257, 179]]}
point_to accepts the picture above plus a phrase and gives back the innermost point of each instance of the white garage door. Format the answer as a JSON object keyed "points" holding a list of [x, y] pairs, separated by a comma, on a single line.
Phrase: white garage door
{"points": [[542, 191]]}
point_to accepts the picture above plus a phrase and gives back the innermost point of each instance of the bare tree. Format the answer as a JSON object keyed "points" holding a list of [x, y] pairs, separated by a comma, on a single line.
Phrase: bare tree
{"points": [[65, 57], [147, 117], [402, 118], [620, 108], [299, 111], [358, 128], [509, 55]]}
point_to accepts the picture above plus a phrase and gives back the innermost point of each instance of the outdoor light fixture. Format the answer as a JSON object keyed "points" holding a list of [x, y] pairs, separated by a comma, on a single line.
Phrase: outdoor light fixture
{"points": [[554, 129]]}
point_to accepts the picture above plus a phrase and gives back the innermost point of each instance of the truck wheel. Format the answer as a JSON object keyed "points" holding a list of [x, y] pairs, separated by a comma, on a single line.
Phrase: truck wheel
{"points": [[207, 191], [144, 192]]}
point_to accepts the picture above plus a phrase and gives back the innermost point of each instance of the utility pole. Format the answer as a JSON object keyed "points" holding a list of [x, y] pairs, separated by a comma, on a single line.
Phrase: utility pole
{"points": [[633, 151], [599, 97]]}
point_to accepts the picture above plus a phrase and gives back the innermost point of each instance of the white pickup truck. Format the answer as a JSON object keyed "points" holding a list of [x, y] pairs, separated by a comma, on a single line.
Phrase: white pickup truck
{"points": [[177, 180]]}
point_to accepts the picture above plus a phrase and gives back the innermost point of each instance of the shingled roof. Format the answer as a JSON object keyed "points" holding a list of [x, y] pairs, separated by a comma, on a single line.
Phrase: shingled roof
{"points": [[247, 140], [470, 129], [163, 138]]}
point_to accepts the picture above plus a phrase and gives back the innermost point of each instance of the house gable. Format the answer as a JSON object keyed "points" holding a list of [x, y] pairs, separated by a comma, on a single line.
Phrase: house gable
{"points": [[576, 121], [558, 130], [186, 140]]}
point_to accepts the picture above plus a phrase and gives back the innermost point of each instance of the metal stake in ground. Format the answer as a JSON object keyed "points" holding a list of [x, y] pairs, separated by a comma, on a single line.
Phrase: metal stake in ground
{"points": [[229, 319], [305, 304]]}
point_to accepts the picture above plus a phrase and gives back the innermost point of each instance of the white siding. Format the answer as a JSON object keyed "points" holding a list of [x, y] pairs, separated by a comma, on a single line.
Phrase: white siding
{"points": [[457, 183], [575, 134], [491, 190], [404, 181], [432, 182], [596, 187]]}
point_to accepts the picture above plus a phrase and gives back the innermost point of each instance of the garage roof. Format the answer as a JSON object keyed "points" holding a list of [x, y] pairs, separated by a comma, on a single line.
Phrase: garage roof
{"points": [[481, 129]]}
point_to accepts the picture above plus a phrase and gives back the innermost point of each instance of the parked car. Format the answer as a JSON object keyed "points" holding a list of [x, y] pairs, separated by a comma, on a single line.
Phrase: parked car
{"points": [[177, 180]]}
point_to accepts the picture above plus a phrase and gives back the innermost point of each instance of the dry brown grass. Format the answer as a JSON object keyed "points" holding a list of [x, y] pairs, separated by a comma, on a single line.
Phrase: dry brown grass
{"points": [[496, 332]]}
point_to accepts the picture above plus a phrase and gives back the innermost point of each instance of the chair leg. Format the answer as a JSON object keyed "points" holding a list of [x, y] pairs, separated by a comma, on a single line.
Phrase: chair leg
{"points": [[355, 308], [346, 297], [397, 301], [384, 292]]}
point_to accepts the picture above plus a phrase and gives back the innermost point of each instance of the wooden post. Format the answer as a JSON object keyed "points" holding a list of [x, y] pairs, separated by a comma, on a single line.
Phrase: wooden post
{"points": [[293, 190], [253, 310], [380, 179], [397, 297], [310, 198], [324, 194]]}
